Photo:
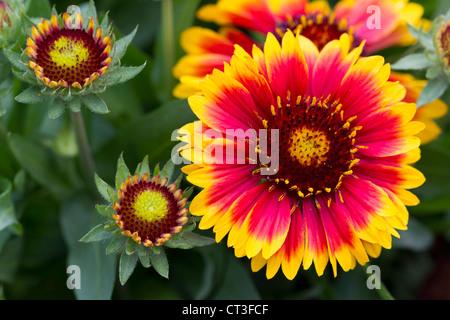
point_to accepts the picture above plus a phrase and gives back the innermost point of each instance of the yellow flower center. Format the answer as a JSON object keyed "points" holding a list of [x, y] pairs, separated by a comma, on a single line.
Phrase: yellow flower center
{"points": [[68, 52], [309, 147], [151, 206]]}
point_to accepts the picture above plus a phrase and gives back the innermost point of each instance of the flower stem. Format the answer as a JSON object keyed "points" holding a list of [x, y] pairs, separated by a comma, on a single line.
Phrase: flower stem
{"points": [[168, 40], [87, 161], [383, 291]]}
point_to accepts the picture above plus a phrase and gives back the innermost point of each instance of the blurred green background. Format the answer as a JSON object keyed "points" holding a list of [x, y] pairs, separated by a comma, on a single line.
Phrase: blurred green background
{"points": [[53, 212]]}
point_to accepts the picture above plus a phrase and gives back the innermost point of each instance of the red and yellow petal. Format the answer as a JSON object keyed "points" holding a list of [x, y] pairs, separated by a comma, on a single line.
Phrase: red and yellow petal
{"points": [[286, 67]]}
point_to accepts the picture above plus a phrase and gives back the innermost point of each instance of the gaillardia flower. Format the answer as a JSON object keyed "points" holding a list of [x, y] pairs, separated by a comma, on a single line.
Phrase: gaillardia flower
{"points": [[145, 214], [340, 143], [380, 23], [71, 59], [68, 56], [10, 20]]}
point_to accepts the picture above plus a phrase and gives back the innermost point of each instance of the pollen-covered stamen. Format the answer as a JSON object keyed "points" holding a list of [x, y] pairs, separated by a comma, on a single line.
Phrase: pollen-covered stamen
{"points": [[443, 43], [316, 146], [68, 56], [149, 211], [319, 28]]}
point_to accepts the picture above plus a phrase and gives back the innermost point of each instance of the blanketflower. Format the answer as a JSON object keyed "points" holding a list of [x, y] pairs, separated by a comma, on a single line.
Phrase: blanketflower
{"points": [[335, 190], [70, 59], [383, 26], [10, 20], [145, 213], [68, 56]]}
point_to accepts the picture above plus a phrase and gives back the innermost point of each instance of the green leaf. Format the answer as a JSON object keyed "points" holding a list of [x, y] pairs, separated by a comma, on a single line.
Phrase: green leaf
{"points": [[122, 172], [103, 188], [127, 265], [7, 211], [160, 263], [432, 91], [40, 163], [97, 233], [95, 103], [159, 140], [57, 108], [98, 271], [197, 239], [30, 95], [122, 44], [415, 61]]}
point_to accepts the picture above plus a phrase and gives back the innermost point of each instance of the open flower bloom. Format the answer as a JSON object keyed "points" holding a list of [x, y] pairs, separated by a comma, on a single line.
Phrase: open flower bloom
{"points": [[426, 113], [384, 25], [67, 55], [303, 155]]}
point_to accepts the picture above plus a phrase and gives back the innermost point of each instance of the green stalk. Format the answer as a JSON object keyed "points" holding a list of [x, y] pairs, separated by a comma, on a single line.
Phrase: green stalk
{"points": [[383, 292], [168, 41], [3, 132], [87, 161]]}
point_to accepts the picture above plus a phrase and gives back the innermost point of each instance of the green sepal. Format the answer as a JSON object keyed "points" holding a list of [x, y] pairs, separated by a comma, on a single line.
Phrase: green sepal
{"points": [[30, 95], [422, 37], [57, 108], [122, 172], [160, 263], [95, 103], [101, 209], [130, 246], [103, 188], [116, 245], [168, 170], [197, 240], [97, 233], [143, 167], [415, 61], [179, 244], [144, 255], [127, 264], [75, 104], [121, 45], [26, 77], [432, 91], [15, 59], [123, 74], [188, 192]]}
